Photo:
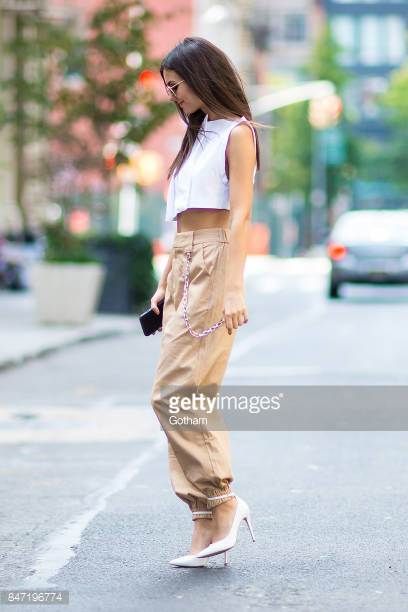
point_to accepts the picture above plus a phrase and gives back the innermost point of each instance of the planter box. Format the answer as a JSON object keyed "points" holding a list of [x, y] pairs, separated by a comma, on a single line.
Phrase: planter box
{"points": [[130, 278], [117, 296], [67, 292]]}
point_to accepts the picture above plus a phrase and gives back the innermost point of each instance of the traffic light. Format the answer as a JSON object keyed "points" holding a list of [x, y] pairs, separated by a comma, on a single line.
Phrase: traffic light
{"points": [[325, 112], [146, 79]]}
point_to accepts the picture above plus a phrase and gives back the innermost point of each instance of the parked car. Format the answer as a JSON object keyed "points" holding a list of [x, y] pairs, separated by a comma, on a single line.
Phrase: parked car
{"points": [[11, 269], [17, 254], [368, 246]]}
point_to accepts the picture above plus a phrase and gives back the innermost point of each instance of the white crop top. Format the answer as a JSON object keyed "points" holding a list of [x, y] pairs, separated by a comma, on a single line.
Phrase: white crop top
{"points": [[201, 181]]}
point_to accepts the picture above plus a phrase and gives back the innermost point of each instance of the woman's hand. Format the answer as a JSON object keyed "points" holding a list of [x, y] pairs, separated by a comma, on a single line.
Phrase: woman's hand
{"points": [[235, 311], [156, 297]]}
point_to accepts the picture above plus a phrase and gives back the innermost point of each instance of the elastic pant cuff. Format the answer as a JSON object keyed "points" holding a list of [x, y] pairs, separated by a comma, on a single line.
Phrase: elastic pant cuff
{"points": [[201, 514], [219, 496], [198, 505]]}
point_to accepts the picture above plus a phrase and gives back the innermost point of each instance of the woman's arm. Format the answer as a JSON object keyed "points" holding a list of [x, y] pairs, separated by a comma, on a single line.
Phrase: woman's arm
{"points": [[163, 279], [241, 161], [162, 284]]}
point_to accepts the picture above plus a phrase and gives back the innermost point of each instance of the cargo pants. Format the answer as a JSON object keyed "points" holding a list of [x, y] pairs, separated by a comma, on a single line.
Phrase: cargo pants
{"points": [[199, 460]]}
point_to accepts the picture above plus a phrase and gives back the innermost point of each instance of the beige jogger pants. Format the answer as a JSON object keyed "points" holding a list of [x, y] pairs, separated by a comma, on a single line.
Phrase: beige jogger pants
{"points": [[199, 460]]}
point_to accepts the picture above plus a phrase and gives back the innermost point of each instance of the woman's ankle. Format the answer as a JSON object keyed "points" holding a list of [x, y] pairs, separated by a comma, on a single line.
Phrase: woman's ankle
{"points": [[202, 535]]}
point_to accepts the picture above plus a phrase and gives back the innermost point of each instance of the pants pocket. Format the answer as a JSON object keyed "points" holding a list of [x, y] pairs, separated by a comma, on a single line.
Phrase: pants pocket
{"points": [[210, 254]]}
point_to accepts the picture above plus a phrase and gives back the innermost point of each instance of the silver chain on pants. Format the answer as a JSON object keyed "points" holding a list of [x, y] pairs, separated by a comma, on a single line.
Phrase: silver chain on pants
{"points": [[204, 332]]}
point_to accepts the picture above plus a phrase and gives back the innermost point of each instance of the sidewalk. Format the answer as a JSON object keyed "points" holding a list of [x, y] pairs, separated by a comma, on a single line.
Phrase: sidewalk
{"points": [[22, 337]]}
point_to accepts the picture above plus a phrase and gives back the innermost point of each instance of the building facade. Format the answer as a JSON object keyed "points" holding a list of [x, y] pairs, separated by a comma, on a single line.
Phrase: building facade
{"points": [[373, 36], [283, 33]]}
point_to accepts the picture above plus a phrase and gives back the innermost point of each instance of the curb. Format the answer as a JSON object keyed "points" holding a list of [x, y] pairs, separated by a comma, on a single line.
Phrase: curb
{"points": [[46, 349]]}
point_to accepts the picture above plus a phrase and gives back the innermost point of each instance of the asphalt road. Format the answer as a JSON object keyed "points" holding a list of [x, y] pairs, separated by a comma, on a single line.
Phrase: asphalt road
{"points": [[86, 503]]}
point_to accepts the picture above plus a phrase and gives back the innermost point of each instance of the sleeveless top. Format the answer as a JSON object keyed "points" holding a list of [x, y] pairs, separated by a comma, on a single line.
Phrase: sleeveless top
{"points": [[202, 181]]}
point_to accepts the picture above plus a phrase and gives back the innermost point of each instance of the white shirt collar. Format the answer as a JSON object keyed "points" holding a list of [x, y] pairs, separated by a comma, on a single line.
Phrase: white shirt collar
{"points": [[216, 122]]}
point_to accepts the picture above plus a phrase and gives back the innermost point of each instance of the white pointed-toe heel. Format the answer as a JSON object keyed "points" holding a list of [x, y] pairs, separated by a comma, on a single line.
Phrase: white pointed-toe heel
{"points": [[224, 545], [188, 561]]}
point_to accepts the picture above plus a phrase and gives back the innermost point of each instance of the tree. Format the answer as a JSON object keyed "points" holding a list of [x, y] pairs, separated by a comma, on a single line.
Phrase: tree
{"points": [[292, 140], [324, 64], [109, 92], [324, 60], [25, 104], [395, 98], [291, 150], [394, 155], [72, 90]]}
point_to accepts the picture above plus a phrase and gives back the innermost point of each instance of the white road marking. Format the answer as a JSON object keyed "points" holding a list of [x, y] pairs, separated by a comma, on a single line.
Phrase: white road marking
{"points": [[59, 546]]}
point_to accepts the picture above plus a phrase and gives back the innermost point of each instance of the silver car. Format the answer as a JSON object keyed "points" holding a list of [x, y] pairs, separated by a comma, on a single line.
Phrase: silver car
{"points": [[368, 246]]}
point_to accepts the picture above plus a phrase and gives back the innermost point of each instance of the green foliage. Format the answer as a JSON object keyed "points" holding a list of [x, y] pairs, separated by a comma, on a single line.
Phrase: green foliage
{"points": [[32, 49], [292, 149], [64, 247], [26, 102], [292, 139], [395, 98], [392, 157], [324, 61]]}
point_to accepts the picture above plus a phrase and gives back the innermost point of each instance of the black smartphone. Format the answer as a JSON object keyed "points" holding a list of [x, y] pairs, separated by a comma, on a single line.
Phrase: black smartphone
{"points": [[150, 321]]}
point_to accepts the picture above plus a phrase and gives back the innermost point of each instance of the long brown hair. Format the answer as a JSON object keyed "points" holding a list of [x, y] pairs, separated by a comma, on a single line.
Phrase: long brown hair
{"points": [[214, 79]]}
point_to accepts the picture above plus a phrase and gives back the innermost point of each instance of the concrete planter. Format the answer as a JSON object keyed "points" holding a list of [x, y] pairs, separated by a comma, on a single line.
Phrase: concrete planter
{"points": [[67, 292]]}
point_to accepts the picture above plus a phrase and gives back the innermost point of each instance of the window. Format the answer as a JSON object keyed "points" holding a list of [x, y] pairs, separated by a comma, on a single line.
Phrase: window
{"points": [[295, 27], [372, 39], [344, 31], [362, 1], [382, 40], [396, 39]]}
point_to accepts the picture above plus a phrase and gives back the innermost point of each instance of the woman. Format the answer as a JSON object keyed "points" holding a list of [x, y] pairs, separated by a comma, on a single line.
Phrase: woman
{"points": [[210, 196]]}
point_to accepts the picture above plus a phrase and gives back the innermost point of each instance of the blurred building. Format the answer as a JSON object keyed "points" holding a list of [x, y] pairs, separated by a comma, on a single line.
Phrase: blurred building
{"points": [[373, 35], [222, 23], [282, 33]]}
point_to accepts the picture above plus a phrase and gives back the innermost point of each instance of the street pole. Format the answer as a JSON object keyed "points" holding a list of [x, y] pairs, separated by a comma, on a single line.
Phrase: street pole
{"points": [[318, 195], [310, 90]]}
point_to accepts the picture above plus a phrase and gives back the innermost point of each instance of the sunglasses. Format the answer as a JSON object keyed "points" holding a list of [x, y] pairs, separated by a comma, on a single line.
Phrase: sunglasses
{"points": [[172, 89]]}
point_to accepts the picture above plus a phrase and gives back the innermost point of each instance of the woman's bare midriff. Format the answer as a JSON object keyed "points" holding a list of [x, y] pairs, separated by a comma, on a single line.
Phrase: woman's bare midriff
{"points": [[199, 218]]}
